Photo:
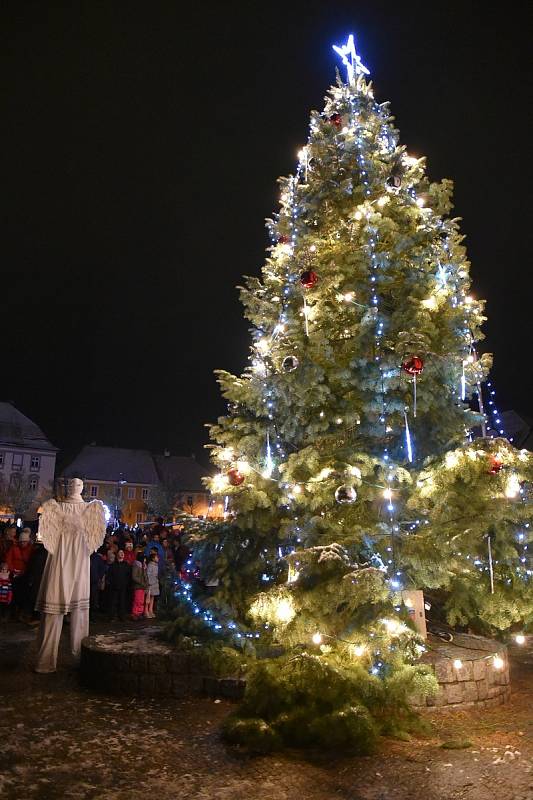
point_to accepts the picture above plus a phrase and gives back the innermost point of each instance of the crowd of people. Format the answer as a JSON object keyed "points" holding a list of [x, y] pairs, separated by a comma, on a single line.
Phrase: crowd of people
{"points": [[126, 572]]}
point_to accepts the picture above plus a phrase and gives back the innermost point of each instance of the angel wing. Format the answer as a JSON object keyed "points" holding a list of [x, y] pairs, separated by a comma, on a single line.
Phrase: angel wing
{"points": [[94, 524], [50, 525]]}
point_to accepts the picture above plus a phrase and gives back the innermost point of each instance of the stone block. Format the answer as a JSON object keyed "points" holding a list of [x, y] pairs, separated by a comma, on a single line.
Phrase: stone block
{"points": [[121, 662], [480, 669], [138, 663], [210, 686], [196, 683], [163, 684], [179, 663], [439, 699], [465, 673], [416, 700], [482, 689], [470, 692], [494, 691], [128, 683], [454, 693], [232, 688], [147, 685], [179, 685], [157, 664], [444, 671]]}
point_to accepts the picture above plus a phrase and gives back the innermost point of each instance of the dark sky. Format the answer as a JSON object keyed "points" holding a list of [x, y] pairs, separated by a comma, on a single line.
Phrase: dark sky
{"points": [[141, 146]]}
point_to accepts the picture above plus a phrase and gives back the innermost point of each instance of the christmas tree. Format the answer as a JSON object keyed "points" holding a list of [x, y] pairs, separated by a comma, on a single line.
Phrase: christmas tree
{"points": [[353, 458]]}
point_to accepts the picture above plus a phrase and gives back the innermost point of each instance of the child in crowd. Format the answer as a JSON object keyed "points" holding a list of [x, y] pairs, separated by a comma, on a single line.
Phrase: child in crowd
{"points": [[6, 590], [139, 584], [152, 572]]}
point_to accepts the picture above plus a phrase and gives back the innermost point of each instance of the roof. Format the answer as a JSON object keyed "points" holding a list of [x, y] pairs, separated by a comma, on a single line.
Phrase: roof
{"points": [[183, 472], [113, 464], [18, 430]]}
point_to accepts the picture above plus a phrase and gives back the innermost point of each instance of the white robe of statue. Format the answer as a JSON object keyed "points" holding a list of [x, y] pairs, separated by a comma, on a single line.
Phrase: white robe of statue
{"points": [[70, 530]]}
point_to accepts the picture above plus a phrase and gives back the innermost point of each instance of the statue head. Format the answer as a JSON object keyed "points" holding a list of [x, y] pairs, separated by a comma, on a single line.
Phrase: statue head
{"points": [[74, 486]]}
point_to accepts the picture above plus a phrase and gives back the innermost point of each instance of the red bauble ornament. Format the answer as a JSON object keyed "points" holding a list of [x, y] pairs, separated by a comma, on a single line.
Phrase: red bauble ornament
{"points": [[308, 279], [283, 239], [336, 120], [235, 477], [495, 465], [413, 365]]}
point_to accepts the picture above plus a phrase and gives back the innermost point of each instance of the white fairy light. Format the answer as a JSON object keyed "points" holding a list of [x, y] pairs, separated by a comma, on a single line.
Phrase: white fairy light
{"points": [[317, 638], [498, 662], [520, 638], [457, 663]]}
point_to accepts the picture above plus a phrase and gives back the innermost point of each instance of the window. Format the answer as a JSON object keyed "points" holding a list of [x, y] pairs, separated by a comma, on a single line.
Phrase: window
{"points": [[18, 459], [35, 462], [94, 491], [34, 483], [145, 494], [131, 492], [139, 517], [1, 460]]}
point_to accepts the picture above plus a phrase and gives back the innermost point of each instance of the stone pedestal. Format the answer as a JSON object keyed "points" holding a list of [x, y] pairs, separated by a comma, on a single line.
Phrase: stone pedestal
{"points": [[478, 680]]}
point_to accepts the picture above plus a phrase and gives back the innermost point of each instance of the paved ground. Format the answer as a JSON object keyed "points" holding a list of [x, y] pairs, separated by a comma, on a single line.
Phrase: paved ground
{"points": [[60, 741]]}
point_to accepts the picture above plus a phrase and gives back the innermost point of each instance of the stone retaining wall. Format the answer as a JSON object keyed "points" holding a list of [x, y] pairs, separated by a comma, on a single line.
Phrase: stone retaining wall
{"points": [[476, 683], [137, 663]]}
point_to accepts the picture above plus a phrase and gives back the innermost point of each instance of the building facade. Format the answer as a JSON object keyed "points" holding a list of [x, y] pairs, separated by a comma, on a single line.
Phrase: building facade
{"points": [[137, 486], [27, 464]]}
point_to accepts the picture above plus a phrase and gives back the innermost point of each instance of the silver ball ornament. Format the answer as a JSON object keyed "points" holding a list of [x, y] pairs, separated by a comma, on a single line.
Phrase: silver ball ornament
{"points": [[289, 364], [345, 495]]}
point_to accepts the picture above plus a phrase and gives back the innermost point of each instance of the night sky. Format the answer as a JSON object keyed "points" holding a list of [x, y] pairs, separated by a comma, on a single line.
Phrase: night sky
{"points": [[141, 147]]}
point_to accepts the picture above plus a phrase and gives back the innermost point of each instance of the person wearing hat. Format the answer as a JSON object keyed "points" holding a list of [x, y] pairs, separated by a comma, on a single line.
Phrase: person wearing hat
{"points": [[17, 560]]}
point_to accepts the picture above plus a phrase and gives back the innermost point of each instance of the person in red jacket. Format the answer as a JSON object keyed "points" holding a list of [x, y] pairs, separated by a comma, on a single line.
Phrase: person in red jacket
{"points": [[19, 553], [17, 559], [129, 553]]}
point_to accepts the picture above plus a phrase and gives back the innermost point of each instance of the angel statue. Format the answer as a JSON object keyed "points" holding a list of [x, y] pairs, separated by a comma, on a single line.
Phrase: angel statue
{"points": [[70, 530]]}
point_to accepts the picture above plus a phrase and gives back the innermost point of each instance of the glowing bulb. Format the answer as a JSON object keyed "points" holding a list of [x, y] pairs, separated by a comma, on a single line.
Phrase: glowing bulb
{"points": [[383, 200], [220, 483], [317, 638], [263, 345], [358, 215], [457, 663], [410, 161], [513, 487], [356, 472], [244, 467], [430, 303], [468, 300], [497, 662], [420, 202], [284, 611], [297, 489], [358, 650], [226, 454], [339, 420], [392, 625], [348, 297], [387, 494], [520, 638], [302, 153], [451, 460], [470, 359], [408, 602]]}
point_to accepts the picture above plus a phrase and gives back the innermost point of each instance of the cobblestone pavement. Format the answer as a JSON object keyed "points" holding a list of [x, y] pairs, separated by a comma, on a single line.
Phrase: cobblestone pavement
{"points": [[58, 740]]}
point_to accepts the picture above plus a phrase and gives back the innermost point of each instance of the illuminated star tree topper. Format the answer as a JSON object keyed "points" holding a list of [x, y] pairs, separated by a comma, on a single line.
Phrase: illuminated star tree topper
{"points": [[351, 60]]}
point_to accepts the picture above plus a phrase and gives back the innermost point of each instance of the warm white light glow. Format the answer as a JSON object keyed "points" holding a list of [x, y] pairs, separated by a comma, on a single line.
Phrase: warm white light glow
{"points": [[356, 472], [451, 460], [520, 638], [297, 489], [219, 483], [358, 650], [348, 297], [339, 420], [244, 467], [410, 161], [284, 611], [457, 663], [469, 299], [358, 215], [387, 494], [497, 662], [420, 202], [317, 638], [383, 200], [512, 488], [263, 345], [226, 454], [408, 602], [430, 303]]}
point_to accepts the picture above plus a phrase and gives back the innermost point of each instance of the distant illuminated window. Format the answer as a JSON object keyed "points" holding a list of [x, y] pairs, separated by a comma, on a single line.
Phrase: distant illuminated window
{"points": [[145, 494], [94, 491]]}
